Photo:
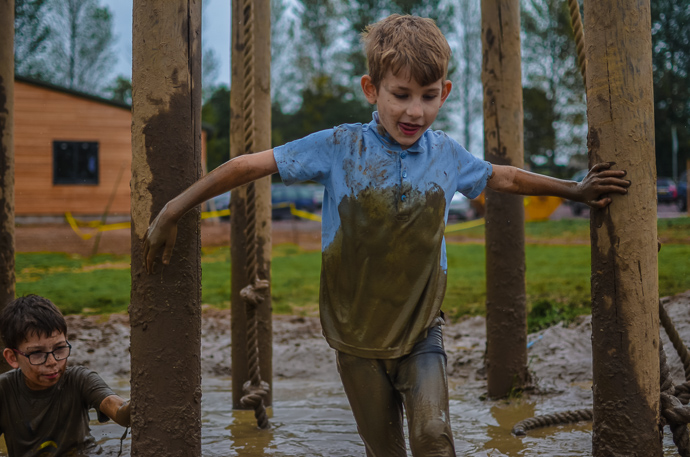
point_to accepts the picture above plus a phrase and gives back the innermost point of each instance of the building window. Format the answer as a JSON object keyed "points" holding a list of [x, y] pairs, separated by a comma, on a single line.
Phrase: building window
{"points": [[75, 162]]}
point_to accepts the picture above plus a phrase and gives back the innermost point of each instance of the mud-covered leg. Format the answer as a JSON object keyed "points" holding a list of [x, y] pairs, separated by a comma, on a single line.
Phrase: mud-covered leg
{"points": [[376, 405]]}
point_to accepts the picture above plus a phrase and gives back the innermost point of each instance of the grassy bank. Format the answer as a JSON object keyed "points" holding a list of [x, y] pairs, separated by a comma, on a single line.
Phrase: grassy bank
{"points": [[558, 275]]}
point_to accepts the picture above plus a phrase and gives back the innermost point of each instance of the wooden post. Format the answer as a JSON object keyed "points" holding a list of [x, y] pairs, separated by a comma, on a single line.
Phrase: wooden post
{"points": [[250, 114], [506, 318], [6, 152], [625, 292], [165, 311]]}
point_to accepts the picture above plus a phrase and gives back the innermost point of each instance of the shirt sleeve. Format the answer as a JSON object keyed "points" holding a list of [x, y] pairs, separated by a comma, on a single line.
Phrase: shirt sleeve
{"points": [[309, 158], [473, 173], [94, 390]]}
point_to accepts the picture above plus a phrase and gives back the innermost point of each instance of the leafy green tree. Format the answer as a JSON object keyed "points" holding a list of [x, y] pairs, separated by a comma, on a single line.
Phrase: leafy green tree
{"points": [[550, 64], [671, 63], [121, 90], [540, 135], [324, 105], [215, 116], [31, 38]]}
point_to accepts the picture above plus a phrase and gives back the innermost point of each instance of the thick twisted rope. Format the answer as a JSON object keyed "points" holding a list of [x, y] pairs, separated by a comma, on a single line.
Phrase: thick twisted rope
{"points": [[675, 411], [567, 417], [255, 390], [576, 24]]}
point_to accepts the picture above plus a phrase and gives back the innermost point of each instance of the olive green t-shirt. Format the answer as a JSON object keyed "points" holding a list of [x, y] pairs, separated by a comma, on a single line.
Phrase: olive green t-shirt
{"points": [[51, 422]]}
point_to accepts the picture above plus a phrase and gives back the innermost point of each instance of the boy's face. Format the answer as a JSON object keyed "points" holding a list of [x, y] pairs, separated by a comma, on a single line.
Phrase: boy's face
{"points": [[406, 109], [39, 377]]}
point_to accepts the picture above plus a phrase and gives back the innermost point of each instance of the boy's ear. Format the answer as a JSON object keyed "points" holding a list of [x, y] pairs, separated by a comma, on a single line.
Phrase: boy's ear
{"points": [[369, 89], [445, 90], [11, 357]]}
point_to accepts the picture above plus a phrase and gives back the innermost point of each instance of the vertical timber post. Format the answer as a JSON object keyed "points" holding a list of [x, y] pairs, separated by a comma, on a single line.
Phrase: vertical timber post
{"points": [[625, 292], [6, 153], [250, 131], [506, 320], [165, 311]]}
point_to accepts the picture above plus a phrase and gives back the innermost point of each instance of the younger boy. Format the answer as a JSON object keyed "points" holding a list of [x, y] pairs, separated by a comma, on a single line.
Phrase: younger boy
{"points": [[388, 187], [44, 405]]}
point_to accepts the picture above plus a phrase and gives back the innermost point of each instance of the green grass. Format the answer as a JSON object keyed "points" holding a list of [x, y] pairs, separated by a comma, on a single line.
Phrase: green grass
{"points": [[558, 276]]}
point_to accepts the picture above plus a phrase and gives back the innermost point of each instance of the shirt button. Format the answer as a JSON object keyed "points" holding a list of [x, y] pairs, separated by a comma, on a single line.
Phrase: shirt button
{"points": [[404, 174], [403, 154], [403, 197]]}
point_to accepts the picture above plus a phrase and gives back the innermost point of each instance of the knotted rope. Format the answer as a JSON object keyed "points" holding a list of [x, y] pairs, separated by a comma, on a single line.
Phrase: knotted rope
{"points": [[255, 390], [674, 399], [576, 24]]}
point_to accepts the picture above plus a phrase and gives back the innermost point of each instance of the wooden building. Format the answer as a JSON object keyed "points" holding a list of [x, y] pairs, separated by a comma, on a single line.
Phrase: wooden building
{"points": [[72, 150]]}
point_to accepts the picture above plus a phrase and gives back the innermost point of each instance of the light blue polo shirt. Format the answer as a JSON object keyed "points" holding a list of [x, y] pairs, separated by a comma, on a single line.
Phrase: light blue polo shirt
{"points": [[383, 270]]}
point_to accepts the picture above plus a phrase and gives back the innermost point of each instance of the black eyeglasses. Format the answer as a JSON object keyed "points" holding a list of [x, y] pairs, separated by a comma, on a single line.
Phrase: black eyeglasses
{"points": [[39, 358]]}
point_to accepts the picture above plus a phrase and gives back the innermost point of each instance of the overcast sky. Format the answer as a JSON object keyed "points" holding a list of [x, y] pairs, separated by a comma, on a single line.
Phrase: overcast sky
{"points": [[216, 34]]}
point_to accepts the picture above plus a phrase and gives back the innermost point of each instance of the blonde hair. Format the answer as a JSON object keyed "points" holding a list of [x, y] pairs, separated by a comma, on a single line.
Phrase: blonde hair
{"points": [[400, 43]]}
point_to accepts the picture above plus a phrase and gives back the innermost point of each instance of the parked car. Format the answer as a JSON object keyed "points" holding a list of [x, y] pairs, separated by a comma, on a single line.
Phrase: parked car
{"points": [[578, 207], [682, 189], [219, 203], [303, 196], [460, 208], [666, 191]]}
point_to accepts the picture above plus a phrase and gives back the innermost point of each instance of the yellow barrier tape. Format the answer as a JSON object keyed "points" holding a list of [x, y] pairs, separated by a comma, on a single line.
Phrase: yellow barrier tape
{"points": [[210, 214], [72, 223], [464, 225], [304, 214]]}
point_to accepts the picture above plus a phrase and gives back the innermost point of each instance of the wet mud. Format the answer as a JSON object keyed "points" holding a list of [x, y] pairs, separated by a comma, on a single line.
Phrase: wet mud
{"points": [[311, 416]]}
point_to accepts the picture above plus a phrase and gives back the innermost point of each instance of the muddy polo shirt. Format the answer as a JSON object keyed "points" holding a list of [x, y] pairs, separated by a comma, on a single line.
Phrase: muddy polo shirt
{"points": [[383, 269], [54, 421]]}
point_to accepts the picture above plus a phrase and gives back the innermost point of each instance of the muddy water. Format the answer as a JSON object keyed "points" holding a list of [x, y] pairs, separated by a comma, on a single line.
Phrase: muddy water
{"points": [[313, 419]]}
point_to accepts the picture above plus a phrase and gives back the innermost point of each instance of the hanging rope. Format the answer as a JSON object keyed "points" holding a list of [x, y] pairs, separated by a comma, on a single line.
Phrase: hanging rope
{"points": [[674, 399], [255, 390], [576, 24]]}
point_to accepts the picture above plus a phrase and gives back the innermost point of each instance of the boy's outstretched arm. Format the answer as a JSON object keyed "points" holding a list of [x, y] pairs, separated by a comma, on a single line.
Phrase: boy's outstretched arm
{"points": [[600, 180], [236, 172], [116, 408]]}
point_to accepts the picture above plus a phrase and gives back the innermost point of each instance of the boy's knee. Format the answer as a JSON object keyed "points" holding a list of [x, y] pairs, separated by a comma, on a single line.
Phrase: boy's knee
{"points": [[432, 439]]}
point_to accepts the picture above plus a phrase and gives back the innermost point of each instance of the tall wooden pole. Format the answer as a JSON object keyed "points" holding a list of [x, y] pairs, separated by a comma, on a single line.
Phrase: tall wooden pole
{"points": [[625, 293], [165, 311], [6, 152], [506, 321], [250, 131]]}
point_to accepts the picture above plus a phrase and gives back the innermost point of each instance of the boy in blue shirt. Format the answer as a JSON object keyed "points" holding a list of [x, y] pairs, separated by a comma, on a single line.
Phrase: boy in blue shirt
{"points": [[388, 186]]}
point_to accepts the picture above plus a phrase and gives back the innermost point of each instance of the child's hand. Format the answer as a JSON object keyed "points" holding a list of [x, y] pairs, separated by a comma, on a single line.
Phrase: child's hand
{"points": [[602, 180], [161, 234]]}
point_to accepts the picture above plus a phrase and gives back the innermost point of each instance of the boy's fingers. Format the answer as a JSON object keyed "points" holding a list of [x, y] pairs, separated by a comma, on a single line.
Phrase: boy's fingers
{"points": [[601, 166]]}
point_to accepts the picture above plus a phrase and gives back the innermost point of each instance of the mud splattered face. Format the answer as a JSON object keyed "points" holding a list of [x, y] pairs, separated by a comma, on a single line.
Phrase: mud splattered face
{"points": [[406, 109], [40, 377]]}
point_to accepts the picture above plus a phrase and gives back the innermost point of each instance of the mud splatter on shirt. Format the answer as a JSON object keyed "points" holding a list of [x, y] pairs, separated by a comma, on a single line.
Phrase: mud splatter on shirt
{"points": [[383, 273]]}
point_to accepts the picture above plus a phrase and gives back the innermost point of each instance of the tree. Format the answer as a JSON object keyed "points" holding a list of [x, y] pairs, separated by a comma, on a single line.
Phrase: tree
{"points": [[671, 61], [121, 90], [550, 64], [216, 115], [81, 54], [31, 37]]}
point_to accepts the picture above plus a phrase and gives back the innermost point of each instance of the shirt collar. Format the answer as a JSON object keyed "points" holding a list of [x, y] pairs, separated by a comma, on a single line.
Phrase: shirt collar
{"points": [[377, 128]]}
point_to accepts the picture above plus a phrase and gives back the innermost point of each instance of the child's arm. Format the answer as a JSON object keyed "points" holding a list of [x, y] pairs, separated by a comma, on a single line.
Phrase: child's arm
{"points": [[236, 172], [600, 180], [116, 408]]}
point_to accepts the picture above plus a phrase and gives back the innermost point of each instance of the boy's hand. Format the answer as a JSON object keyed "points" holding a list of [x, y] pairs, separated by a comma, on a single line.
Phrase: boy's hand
{"points": [[161, 234], [601, 180]]}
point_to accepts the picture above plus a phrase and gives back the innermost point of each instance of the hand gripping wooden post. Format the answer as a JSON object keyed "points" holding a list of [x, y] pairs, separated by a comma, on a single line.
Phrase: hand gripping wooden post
{"points": [[7, 279], [625, 294], [165, 310], [506, 318], [250, 132]]}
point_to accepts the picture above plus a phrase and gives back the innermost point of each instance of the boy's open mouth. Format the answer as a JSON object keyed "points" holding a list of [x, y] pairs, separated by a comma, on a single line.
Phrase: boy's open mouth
{"points": [[409, 129]]}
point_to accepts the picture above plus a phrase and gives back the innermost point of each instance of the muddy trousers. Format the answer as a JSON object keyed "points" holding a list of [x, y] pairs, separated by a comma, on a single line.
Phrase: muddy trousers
{"points": [[379, 389]]}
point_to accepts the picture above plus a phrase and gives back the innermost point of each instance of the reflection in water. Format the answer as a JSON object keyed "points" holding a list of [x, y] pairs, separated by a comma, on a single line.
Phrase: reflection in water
{"points": [[313, 419]]}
